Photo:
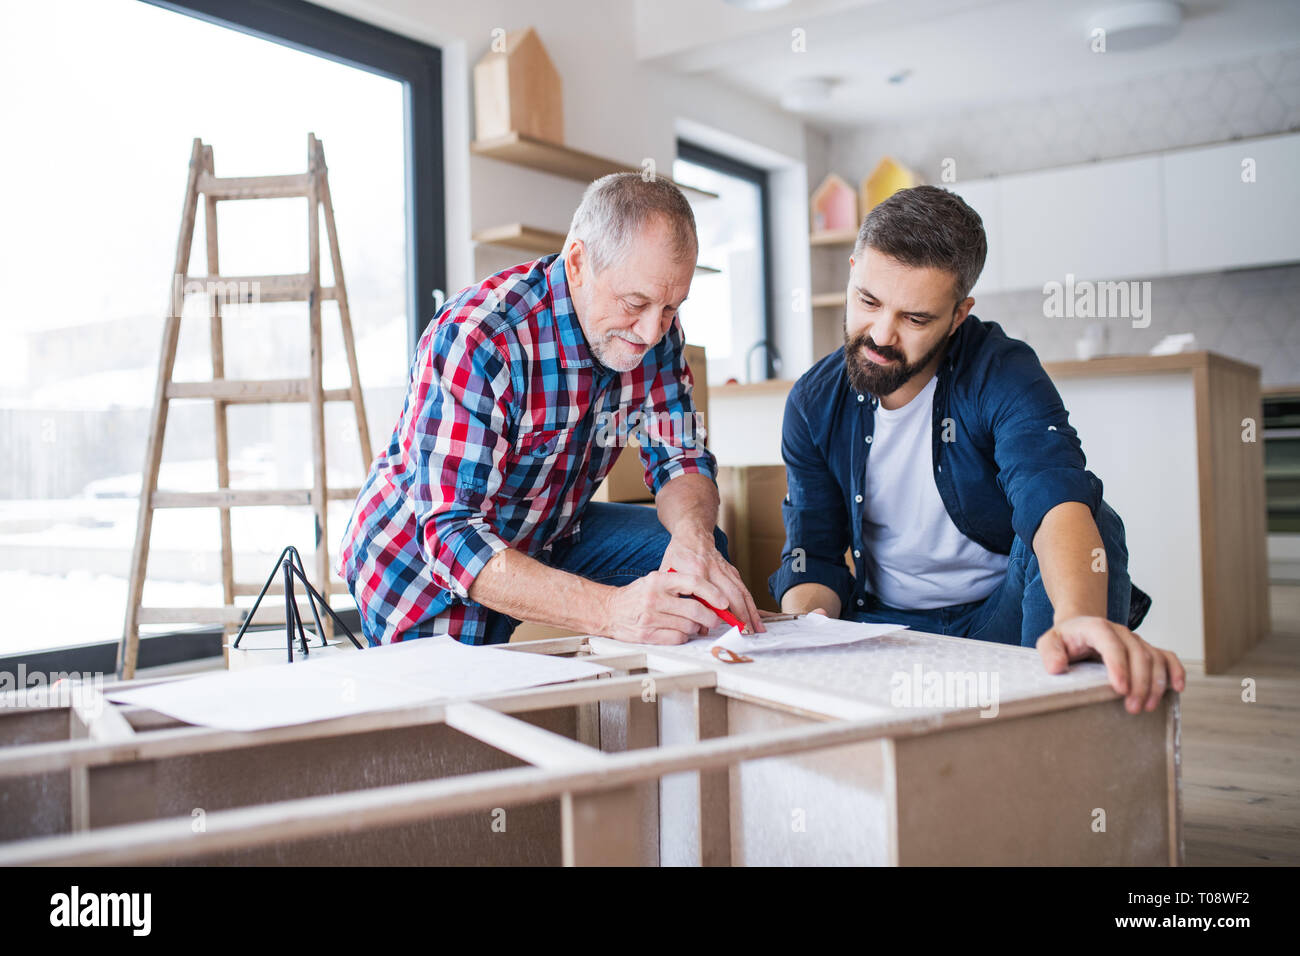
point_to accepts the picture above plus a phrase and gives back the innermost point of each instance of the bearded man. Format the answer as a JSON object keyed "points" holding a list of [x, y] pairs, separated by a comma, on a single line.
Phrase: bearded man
{"points": [[937, 449]]}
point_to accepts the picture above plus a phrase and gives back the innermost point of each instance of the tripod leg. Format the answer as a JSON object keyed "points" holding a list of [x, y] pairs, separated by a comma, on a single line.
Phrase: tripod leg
{"points": [[289, 609], [311, 596], [329, 610], [275, 568]]}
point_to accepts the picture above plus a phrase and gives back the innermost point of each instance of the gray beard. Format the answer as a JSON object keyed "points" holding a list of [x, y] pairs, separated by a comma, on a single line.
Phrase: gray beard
{"points": [[600, 352]]}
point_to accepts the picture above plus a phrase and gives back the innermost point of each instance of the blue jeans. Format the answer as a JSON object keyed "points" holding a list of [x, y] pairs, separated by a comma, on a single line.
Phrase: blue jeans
{"points": [[1019, 611], [616, 544]]}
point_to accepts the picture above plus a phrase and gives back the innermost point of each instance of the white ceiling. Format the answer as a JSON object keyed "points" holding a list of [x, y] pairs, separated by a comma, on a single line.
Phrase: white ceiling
{"points": [[960, 53]]}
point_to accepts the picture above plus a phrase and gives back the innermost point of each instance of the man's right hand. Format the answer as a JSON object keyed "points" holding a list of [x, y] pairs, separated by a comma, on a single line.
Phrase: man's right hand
{"points": [[659, 609]]}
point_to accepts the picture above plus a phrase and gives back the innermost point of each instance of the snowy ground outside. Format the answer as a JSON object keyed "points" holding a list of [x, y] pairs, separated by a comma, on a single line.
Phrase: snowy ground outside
{"points": [[64, 563]]}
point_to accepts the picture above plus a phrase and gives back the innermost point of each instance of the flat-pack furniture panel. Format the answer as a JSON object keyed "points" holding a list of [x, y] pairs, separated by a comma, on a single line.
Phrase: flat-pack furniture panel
{"points": [[1083, 786], [858, 753], [195, 785], [828, 808], [38, 804], [973, 737]]}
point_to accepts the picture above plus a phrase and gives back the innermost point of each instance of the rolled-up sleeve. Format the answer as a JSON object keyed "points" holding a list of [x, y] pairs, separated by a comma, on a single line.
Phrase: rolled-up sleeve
{"points": [[675, 432], [816, 523], [1039, 457], [456, 441]]}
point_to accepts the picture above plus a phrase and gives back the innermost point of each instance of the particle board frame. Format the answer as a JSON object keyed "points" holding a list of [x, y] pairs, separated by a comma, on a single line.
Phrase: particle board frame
{"points": [[595, 772]]}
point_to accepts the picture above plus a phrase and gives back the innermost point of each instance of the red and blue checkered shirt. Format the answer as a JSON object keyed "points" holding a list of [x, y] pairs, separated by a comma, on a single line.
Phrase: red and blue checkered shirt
{"points": [[509, 427]]}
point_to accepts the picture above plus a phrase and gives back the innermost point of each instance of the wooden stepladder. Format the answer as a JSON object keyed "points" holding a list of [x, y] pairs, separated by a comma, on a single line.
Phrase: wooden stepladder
{"points": [[223, 392]]}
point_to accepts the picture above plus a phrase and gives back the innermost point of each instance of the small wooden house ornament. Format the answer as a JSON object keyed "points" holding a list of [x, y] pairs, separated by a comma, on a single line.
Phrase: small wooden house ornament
{"points": [[517, 90], [887, 178], [834, 206]]}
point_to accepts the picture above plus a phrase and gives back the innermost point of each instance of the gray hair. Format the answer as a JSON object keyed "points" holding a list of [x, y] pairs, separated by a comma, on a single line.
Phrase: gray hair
{"points": [[928, 226], [614, 209]]}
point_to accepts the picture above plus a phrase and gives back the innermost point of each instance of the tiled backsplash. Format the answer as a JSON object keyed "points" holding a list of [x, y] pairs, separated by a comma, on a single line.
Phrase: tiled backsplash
{"points": [[1253, 315]]}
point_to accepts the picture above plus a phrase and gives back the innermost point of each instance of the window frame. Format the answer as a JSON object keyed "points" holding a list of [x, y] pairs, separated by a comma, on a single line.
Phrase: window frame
{"points": [[721, 162], [418, 66]]}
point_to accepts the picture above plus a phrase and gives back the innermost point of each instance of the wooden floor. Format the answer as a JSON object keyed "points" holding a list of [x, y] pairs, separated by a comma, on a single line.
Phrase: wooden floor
{"points": [[1241, 769]]}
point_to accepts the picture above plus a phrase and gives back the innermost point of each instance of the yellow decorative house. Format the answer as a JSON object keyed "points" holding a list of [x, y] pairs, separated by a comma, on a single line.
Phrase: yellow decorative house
{"points": [[887, 178]]}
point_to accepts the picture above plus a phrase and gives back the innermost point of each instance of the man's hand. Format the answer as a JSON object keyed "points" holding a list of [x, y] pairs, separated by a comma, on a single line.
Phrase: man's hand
{"points": [[696, 554], [659, 609], [1136, 669]]}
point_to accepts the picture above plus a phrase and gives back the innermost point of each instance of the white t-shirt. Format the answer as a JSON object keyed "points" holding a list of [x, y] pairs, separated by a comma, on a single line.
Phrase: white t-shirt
{"points": [[916, 558]]}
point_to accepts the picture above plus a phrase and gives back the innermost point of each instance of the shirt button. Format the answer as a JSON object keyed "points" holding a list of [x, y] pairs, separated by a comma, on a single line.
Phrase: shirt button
{"points": [[858, 499], [859, 602], [941, 467], [862, 398], [857, 553], [868, 439]]}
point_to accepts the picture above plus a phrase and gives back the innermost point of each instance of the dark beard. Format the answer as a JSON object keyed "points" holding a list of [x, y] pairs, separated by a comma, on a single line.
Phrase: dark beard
{"points": [[867, 376]]}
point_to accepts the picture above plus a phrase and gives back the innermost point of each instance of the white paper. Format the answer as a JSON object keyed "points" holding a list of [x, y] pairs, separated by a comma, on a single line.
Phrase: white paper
{"points": [[811, 630], [376, 678]]}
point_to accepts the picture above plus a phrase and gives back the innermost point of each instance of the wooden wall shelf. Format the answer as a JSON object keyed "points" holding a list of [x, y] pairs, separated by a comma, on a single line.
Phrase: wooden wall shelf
{"points": [[560, 160], [516, 235], [827, 300], [833, 237]]}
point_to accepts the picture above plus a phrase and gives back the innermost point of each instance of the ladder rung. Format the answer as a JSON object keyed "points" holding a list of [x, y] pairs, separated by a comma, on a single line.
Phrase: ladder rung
{"points": [[277, 587], [255, 187], [237, 290], [247, 497], [239, 497], [249, 392], [271, 612]]}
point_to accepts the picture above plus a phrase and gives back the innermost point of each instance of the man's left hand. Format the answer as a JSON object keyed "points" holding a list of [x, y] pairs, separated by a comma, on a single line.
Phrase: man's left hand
{"points": [[1136, 669], [697, 554]]}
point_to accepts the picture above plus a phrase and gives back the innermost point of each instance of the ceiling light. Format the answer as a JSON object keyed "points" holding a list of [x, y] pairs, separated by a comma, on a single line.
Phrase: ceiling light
{"points": [[1135, 26]]}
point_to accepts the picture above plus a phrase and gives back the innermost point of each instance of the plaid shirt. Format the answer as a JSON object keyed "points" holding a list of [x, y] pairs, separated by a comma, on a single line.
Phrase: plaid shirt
{"points": [[509, 427]]}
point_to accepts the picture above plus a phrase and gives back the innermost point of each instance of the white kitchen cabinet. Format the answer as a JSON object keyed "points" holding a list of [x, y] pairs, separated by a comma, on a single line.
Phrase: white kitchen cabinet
{"points": [[1099, 222], [1216, 220], [982, 196]]}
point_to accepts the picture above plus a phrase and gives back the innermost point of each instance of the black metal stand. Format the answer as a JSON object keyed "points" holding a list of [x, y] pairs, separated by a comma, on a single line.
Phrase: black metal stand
{"points": [[290, 564]]}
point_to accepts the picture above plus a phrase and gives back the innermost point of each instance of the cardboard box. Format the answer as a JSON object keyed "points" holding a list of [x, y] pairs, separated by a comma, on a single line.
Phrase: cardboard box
{"points": [[750, 516]]}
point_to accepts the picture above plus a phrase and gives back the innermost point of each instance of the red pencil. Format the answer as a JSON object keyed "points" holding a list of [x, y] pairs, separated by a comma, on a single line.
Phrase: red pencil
{"points": [[720, 611]]}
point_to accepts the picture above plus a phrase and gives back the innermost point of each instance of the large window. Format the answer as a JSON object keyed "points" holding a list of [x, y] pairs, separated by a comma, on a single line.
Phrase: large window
{"points": [[729, 311], [98, 131]]}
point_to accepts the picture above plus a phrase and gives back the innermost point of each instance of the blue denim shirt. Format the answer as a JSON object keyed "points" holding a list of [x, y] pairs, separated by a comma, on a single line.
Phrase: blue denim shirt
{"points": [[1004, 455]]}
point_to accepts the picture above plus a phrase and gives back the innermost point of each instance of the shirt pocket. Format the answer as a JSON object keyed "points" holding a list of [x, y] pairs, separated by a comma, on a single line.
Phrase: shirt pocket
{"points": [[539, 458]]}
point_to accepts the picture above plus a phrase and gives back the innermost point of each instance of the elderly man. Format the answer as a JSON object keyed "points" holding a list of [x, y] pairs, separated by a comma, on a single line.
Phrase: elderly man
{"points": [[938, 450], [479, 513]]}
